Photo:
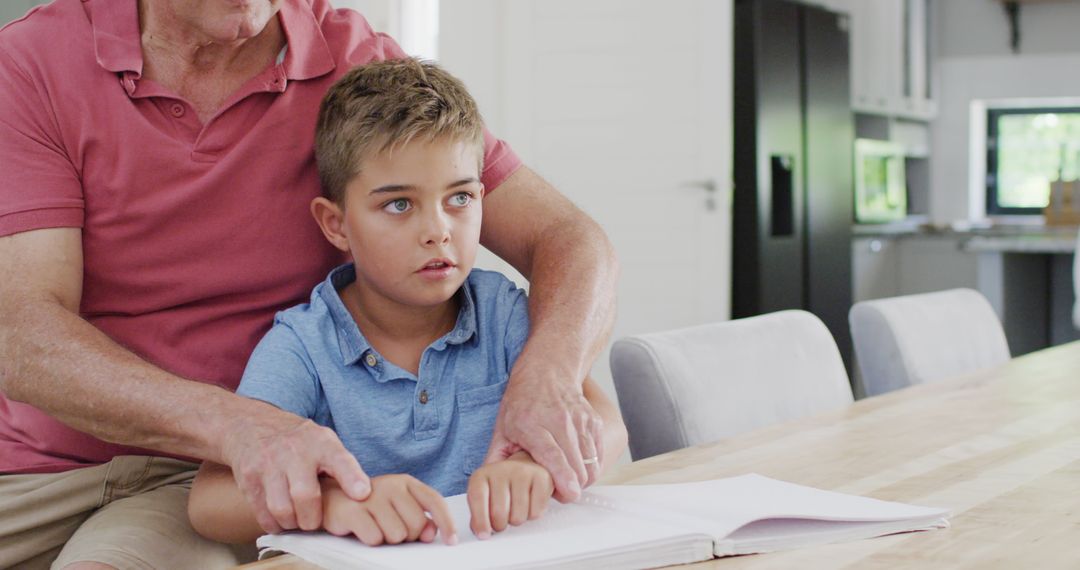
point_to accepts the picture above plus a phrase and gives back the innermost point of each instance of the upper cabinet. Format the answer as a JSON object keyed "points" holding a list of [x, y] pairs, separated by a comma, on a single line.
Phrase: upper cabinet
{"points": [[890, 56]]}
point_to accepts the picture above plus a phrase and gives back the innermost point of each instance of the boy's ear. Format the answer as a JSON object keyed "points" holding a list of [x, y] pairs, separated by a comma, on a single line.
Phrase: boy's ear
{"points": [[331, 220]]}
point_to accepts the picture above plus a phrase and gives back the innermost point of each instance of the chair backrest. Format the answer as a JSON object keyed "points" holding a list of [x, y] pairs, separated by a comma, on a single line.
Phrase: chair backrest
{"points": [[1076, 283], [915, 339], [695, 385]]}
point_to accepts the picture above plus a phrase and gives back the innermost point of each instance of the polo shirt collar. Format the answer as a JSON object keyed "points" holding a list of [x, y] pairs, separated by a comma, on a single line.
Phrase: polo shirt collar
{"points": [[118, 47], [352, 343], [308, 56], [116, 34]]}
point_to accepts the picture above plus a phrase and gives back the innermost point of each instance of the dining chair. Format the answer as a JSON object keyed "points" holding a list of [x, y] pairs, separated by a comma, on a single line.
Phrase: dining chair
{"points": [[914, 339], [1076, 283], [696, 385]]}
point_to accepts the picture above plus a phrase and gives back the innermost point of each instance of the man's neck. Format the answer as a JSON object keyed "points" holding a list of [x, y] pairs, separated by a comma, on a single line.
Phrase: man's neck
{"points": [[172, 38]]}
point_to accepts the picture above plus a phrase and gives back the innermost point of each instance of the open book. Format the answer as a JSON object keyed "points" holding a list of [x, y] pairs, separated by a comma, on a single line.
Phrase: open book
{"points": [[638, 526]]}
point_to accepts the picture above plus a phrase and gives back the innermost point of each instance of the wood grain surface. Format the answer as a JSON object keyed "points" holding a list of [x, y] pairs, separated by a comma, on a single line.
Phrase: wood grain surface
{"points": [[1000, 448]]}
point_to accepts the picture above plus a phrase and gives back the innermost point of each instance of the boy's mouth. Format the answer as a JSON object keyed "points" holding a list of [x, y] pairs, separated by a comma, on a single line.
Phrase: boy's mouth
{"points": [[436, 264]]}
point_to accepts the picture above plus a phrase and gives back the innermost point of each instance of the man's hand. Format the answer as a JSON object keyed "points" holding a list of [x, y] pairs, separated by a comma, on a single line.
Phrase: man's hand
{"points": [[392, 514], [511, 491], [551, 419], [277, 458]]}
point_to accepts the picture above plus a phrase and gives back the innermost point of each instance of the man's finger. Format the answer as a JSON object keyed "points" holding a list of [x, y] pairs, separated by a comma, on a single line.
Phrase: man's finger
{"points": [[596, 427], [343, 467], [436, 506], [590, 455], [256, 498], [279, 500], [548, 454], [500, 447], [478, 496], [306, 496], [568, 441]]}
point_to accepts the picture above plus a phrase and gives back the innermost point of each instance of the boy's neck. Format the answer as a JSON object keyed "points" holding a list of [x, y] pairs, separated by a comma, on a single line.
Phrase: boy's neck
{"points": [[387, 324]]}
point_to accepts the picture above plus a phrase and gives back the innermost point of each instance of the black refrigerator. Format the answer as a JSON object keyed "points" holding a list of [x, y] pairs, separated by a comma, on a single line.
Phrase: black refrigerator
{"points": [[794, 136]]}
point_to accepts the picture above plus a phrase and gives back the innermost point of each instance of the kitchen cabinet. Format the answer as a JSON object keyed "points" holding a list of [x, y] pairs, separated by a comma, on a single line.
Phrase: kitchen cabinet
{"points": [[890, 56], [1027, 278], [875, 268], [907, 264]]}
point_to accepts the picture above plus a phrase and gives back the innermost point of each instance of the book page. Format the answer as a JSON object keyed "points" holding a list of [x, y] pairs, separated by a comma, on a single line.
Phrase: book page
{"points": [[728, 504], [566, 533]]}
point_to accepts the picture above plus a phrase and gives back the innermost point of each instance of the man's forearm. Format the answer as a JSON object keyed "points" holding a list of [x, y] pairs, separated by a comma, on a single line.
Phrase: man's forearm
{"points": [[572, 295], [54, 360]]}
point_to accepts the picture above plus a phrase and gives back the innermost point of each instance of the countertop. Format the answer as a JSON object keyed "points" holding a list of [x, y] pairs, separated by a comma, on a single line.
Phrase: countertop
{"points": [[1025, 238]]}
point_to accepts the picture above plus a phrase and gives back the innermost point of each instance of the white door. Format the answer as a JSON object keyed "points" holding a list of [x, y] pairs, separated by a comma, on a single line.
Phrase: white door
{"points": [[625, 106]]}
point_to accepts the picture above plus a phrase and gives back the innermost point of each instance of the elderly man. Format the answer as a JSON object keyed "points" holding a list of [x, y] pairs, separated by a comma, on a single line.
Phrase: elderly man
{"points": [[157, 166]]}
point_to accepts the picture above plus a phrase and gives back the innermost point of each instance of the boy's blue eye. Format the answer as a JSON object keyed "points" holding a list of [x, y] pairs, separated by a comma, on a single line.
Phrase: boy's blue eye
{"points": [[399, 206], [461, 199]]}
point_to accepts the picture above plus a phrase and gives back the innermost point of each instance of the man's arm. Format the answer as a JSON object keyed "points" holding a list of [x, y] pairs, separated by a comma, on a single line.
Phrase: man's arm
{"points": [[572, 271], [56, 361]]}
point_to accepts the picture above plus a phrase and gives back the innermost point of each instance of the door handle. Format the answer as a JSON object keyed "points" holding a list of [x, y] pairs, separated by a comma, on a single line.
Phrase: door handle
{"points": [[709, 186]]}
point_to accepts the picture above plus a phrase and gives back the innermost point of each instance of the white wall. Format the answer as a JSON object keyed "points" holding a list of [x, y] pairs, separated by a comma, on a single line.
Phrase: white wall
{"points": [[976, 62], [14, 9]]}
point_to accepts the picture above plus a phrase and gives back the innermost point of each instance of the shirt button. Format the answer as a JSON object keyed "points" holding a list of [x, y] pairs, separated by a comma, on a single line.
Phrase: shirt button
{"points": [[371, 360], [177, 110], [423, 396]]}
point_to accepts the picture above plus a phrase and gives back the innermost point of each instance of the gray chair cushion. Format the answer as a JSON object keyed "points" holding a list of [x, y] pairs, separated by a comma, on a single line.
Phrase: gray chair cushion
{"points": [[915, 339], [696, 385]]}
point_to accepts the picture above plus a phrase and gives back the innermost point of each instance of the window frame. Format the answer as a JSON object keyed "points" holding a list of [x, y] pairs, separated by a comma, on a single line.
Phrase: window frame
{"points": [[992, 115]]}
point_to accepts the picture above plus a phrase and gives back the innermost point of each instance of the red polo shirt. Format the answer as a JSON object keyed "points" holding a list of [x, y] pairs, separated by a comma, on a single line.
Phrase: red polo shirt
{"points": [[193, 235]]}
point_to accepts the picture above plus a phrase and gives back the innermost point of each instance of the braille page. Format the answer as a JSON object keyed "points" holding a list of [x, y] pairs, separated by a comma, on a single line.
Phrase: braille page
{"points": [[565, 536]]}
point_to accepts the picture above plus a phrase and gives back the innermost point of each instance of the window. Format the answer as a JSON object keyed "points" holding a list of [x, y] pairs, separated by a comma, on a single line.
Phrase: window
{"points": [[1026, 150]]}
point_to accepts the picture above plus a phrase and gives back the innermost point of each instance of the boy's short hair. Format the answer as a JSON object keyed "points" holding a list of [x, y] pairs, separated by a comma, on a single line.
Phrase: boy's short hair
{"points": [[382, 105]]}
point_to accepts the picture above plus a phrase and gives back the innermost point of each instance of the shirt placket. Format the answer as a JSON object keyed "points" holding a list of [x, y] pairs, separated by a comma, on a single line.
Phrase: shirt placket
{"points": [[426, 400]]}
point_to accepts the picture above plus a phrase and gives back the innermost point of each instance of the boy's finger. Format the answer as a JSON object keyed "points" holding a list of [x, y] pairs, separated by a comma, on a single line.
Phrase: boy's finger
{"points": [[540, 496], [412, 514], [365, 528], [519, 501], [435, 505], [428, 534], [480, 521], [390, 523], [499, 503]]}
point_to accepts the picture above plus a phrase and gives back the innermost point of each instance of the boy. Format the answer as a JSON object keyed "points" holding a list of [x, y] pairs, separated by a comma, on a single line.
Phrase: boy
{"points": [[404, 352]]}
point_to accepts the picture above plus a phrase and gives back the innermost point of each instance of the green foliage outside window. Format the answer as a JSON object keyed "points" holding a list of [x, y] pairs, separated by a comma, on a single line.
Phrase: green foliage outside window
{"points": [[1033, 150]]}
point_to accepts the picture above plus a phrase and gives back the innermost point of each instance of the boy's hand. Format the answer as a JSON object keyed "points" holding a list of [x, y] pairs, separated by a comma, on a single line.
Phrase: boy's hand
{"points": [[511, 491], [392, 514]]}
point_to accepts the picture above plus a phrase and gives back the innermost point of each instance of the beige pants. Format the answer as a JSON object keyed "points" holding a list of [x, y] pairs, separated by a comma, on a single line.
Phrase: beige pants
{"points": [[128, 513]]}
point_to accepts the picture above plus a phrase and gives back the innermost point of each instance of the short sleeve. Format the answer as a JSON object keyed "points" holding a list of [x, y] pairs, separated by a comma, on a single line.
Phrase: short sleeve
{"points": [[500, 161], [40, 187], [280, 373], [517, 325]]}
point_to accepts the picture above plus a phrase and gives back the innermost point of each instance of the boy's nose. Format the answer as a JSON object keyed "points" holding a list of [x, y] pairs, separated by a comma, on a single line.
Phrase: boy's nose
{"points": [[437, 231]]}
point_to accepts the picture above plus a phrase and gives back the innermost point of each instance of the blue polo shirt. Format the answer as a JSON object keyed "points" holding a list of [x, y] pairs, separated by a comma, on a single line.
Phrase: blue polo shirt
{"points": [[315, 362]]}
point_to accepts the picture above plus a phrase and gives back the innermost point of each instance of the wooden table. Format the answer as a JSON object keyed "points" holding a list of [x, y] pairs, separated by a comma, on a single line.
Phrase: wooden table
{"points": [[999, 448]]}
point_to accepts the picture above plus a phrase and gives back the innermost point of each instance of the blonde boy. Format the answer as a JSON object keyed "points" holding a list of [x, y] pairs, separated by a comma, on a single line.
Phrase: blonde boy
{"points": [[405, 351]]}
